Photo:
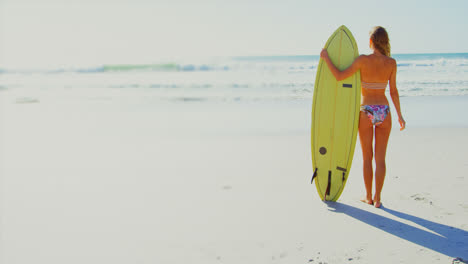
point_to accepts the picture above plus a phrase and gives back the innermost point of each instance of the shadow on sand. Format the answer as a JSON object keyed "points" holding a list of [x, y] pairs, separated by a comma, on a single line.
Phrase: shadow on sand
{"points": [[447, 240]]}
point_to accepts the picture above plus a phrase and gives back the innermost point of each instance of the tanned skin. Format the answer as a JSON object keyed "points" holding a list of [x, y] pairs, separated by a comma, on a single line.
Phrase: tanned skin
{"points": [[375, 68]]}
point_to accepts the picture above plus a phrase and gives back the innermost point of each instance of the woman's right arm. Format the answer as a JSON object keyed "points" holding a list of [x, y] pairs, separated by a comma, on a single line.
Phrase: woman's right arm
{"points": [[396, 97], [341, 75]]}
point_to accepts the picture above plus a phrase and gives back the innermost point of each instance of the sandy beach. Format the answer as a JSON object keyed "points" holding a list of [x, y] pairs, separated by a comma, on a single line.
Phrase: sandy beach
{"points": [[112, 181]]}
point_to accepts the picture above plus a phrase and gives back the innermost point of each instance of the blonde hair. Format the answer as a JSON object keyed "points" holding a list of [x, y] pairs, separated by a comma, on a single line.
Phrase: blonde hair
{"points": [[380, 40]]}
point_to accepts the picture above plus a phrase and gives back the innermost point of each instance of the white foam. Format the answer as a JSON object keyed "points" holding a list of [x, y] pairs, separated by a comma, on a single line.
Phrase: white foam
{"points": [[255, 79]]}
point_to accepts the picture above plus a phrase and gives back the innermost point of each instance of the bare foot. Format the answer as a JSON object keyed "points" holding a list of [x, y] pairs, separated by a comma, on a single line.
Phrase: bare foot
{"points": [[377, 204], [367, 201]]}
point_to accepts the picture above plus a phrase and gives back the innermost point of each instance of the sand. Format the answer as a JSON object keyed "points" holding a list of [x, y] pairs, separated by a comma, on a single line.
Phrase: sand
{"points": [[111, 181]]}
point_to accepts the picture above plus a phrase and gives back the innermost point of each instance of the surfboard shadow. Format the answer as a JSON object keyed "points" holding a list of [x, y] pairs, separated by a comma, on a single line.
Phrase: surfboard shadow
{"points": [[447, 240]]}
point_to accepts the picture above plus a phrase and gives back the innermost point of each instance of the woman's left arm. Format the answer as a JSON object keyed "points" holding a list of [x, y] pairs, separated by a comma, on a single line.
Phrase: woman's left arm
{"points": [[341, 75]]}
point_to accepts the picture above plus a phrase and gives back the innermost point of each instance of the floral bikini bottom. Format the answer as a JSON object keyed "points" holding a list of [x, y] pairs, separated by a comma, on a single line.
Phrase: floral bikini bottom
{"points": [[376, 113]]}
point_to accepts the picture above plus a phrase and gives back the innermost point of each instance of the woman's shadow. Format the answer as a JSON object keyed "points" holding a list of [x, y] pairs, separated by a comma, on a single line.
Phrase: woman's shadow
{"points": [[447, 240]]}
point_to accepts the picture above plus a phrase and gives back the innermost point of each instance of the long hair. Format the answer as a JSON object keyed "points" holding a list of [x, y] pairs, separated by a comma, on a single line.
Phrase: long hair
{"points": [[380, 40]]}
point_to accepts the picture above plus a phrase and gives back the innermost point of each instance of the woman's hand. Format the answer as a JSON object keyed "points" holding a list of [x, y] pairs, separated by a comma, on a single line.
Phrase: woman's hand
{"points": [[324, 54], [402, 123]]}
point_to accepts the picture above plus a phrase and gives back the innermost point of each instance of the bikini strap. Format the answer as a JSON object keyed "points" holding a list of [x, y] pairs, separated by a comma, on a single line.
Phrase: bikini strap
{"points": [[370, 85]]}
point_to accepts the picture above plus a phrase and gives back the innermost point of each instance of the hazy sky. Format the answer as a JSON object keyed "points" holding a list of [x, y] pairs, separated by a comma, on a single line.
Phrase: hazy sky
{"points": [[61, 32]]}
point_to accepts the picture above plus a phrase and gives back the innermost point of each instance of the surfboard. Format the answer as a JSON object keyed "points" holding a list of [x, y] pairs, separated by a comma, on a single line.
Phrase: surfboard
{"points": [[335, 117]]}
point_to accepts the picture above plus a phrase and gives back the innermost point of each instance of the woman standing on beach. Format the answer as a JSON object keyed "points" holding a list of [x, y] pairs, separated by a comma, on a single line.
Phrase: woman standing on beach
{"points": [[377, 70]]}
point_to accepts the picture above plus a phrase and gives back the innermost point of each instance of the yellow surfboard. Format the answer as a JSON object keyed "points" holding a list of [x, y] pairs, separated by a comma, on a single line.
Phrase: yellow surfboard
{"points": [[335, 117]]}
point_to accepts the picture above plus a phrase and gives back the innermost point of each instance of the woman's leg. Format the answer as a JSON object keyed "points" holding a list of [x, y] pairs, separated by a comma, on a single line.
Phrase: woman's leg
{"points": [[382, 133], [366, 134]]}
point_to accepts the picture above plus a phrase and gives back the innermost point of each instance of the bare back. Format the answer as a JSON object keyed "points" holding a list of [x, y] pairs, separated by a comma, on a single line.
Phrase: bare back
{"points": [[376, 68]]}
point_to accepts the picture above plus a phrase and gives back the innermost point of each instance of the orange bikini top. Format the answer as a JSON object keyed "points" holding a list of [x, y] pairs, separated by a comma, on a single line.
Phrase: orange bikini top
{"points": [[374, 86]]}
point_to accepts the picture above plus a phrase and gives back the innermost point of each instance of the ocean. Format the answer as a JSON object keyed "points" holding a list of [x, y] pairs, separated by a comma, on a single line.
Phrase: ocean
{"points": [[229, 79]]}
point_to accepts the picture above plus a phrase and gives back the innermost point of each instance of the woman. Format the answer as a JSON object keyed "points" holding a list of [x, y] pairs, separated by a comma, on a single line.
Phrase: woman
{"points": [[377, 70]]}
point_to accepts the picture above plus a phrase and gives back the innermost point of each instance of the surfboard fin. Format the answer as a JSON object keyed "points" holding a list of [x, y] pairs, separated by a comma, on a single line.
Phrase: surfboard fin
{"points": [[313, 176], [344, 172], [327, 192]]}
